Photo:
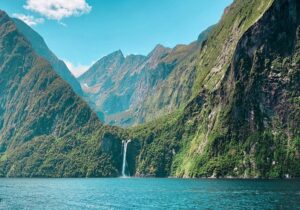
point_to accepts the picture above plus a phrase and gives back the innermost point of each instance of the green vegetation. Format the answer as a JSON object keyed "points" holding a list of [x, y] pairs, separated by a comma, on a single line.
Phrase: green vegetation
{"points": [[244, 117], [46, 130], [39, 46], [73, 155], [236, 98]]}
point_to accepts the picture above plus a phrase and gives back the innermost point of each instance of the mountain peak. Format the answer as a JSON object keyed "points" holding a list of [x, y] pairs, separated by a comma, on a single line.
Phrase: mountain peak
{"points": [[109, 63], [117, 53], [160, 47], [3, 14], [158, 51], [113, 57]]}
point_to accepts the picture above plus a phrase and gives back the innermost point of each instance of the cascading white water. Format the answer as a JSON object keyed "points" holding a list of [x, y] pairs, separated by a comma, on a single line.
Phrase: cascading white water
{"points": [[125, 143]]}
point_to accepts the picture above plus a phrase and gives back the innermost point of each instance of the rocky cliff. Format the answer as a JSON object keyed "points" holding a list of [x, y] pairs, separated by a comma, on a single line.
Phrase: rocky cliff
{"points": [[243, 119]]}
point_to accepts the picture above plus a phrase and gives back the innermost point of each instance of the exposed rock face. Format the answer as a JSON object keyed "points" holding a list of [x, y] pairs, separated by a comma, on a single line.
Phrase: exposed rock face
{"points": [[244, 118], [264, 72], [263, 86], [129, 90], [45, 128], [118, 85]]}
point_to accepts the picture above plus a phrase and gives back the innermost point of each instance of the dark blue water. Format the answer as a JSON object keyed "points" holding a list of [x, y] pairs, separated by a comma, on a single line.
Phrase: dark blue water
{"points": [[148, 194]]}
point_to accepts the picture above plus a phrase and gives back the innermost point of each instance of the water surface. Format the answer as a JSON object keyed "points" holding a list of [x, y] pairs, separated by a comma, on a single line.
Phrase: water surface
{"points": [[148, 194]]}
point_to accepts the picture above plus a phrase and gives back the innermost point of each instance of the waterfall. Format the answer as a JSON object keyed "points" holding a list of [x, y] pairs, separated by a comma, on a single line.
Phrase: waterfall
{"points": [[125, 143]]}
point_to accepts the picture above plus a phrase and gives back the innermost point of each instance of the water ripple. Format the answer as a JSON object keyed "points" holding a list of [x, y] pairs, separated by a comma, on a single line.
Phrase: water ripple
{"points": [[148, 194]]}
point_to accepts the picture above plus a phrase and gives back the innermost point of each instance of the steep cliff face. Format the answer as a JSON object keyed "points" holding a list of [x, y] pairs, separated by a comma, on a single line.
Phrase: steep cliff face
{"points": [[45, 128], [260, 97], [205, 65], [244, 118], [41, 48]]}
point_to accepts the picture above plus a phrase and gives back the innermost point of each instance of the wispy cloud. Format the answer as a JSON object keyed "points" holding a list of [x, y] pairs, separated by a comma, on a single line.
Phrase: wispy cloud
{"points": [[78, 69], [58, 9], [28, 19], [62, 24]]}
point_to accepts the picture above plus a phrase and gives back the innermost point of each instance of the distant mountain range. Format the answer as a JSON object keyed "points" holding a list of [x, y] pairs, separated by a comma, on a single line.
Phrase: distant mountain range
{"points": [[226, 105], [132, 90]]}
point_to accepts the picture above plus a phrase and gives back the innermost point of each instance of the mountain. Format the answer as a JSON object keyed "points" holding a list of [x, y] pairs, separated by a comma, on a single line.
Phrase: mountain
{"points": [[46, 130], [230, 104], [243, 116], [205, 34], [124, 87], [117, 84], [41, 48]]}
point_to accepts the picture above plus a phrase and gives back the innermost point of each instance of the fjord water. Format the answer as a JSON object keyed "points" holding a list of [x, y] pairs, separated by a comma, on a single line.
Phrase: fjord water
{"points": [[148, 194]]}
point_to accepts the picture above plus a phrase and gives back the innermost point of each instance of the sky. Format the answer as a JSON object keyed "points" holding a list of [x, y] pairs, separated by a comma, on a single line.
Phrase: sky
{"points": [[80, 32]]}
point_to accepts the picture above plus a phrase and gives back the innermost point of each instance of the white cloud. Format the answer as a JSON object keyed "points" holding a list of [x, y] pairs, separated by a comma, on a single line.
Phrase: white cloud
{"points": [[28, 19], [58, 9], [78, 69]]}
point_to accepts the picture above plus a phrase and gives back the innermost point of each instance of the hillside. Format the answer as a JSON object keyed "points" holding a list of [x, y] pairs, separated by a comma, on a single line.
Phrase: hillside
{"points": [[227, 105], [121, 86], [46, 130], [243, 119], [40, 47]]}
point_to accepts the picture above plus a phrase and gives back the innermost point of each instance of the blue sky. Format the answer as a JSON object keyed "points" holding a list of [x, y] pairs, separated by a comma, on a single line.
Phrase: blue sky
{"points": [[82, 31]]}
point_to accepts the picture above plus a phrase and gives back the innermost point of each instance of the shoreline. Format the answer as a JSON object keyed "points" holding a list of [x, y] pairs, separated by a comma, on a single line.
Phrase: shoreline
{"points": [[170, 178]]}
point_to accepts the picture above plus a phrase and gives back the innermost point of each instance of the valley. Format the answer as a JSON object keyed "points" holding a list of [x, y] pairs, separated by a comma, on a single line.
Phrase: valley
{"points": [[226, 105]]}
